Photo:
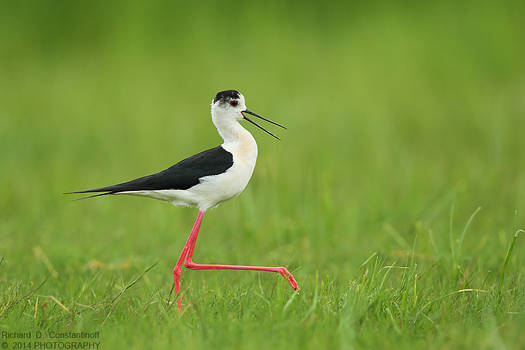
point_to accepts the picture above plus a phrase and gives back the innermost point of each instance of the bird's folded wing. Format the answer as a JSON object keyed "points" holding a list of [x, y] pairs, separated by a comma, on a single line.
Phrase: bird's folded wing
{"points": [[181, 176]]}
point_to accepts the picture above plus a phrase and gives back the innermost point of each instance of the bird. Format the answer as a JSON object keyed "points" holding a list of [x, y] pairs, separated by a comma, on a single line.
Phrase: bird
{"points": [[205, 180]]}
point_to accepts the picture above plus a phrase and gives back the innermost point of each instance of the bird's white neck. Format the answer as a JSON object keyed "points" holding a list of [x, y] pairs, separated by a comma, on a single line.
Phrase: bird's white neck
{"points": [[229, 128], [236, 138]]}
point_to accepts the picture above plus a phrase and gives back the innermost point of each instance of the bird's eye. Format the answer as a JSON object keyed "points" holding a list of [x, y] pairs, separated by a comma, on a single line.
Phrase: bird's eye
{"points": [[234, 103]]}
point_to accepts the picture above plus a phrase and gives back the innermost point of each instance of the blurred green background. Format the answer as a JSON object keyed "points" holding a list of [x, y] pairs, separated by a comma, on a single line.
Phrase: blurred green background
{"points": [[403, 118]]}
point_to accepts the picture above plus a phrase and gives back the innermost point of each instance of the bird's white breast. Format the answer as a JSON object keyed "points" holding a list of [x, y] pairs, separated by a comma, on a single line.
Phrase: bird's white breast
{"points": [[219, 188]]}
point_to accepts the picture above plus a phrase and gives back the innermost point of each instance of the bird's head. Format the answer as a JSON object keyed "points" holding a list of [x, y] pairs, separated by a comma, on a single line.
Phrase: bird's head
{"points": [[228, 106]]}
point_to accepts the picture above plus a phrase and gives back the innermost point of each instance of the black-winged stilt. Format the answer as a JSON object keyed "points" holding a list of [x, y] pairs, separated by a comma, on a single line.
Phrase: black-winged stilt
{"points": [[206, 179]]}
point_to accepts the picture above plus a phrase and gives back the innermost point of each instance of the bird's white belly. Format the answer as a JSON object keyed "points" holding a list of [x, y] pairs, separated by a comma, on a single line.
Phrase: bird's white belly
{"points": [[215, 189]]}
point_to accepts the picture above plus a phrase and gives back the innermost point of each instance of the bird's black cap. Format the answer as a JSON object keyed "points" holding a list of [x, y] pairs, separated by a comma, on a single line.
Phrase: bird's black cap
{"points": [[226, 95]]}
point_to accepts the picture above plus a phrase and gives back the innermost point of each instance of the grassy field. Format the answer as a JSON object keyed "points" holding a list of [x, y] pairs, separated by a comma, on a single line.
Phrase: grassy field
{"points": [[394, 196]]}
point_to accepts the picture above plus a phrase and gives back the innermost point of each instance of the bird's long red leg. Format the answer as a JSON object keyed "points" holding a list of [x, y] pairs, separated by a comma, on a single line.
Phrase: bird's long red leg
{"points": [[178, 266], [192, 266]]}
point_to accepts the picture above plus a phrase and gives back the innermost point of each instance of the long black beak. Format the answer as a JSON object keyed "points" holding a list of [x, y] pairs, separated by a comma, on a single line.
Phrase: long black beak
{"points": [[257, 125]]}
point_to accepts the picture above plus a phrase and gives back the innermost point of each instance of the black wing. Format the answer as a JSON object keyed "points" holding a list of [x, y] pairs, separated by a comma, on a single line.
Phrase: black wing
{"points": [[181, 176]]}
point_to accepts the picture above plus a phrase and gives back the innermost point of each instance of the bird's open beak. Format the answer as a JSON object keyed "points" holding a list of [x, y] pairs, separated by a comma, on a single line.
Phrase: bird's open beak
{"points": [[257, 125]]}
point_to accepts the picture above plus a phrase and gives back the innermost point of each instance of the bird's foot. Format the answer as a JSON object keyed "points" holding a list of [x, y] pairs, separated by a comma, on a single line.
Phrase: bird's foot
{"points": [[288, 276]]}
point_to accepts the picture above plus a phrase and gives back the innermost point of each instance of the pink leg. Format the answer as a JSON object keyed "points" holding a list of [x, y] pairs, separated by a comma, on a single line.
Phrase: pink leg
{"points": [[192, 240], [178, 266]]}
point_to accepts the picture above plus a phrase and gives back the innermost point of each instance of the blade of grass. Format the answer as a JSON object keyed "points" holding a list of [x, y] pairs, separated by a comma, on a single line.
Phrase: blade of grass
{"points": [[312, 308], [113, 304], [507, 259], [447, 295], [467, 225], [451, 237]]}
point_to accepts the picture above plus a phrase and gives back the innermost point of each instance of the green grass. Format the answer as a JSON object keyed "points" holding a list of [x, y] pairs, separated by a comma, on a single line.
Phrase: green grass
{"points": [[395, 197]]}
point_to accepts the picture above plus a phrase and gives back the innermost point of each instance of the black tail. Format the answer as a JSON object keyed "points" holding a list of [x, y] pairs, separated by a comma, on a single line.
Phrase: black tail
{"points": [[89, 191], [106, 190], [150, 182]]}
